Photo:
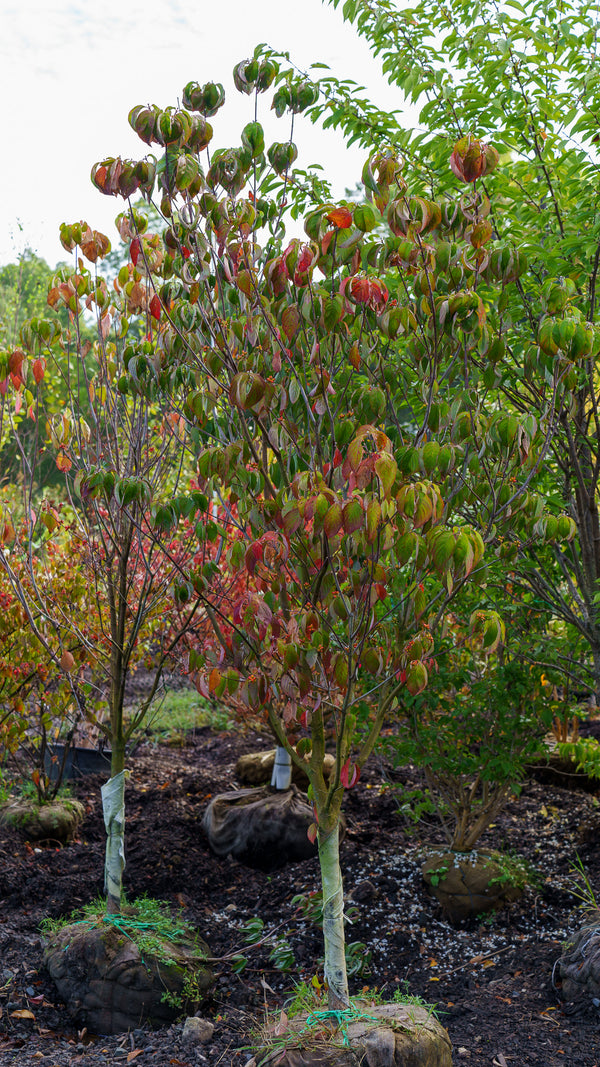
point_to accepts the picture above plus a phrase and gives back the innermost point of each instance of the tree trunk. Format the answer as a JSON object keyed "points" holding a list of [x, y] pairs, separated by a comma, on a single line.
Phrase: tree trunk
{"points": [[333, 918], [594, 698], [282, 769], [113, 806]]}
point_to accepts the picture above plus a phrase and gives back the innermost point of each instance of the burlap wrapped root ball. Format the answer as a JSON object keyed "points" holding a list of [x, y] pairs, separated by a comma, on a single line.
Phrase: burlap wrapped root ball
{"points": [[111, 985], [472, 883], [384, 1035], [262, 828], [56, 820], [577, 972]]}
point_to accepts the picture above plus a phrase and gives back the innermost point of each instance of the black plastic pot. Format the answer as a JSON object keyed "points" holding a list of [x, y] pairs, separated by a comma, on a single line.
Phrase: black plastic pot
{"points": [[78, 762]]}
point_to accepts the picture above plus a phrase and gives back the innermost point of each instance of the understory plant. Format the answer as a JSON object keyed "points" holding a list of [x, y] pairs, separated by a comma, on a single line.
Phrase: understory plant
{"points": [[472, 732], [40, 701], [585, 753]]}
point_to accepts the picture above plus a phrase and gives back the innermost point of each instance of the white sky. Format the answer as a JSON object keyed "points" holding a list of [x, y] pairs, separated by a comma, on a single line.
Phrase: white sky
{"points": [[71, 70]]}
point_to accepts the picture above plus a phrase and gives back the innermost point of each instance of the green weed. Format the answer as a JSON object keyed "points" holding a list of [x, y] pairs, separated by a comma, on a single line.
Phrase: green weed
{"points": [[281, 954], [191, 993], [514, 871], [581, 888]]}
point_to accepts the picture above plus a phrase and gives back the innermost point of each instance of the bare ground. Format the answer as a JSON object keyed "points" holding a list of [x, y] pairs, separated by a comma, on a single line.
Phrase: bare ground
{"points": [[491, 980]]}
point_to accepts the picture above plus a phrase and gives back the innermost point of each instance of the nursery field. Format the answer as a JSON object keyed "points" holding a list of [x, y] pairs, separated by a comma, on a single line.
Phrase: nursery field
{"points": [[490, 979]]}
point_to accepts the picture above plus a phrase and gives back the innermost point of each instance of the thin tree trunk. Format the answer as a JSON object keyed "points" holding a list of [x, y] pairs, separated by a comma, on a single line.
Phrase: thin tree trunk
{"points": [[596, 662], [333, 918], [113, 792], [282, 769], [113, 806]]}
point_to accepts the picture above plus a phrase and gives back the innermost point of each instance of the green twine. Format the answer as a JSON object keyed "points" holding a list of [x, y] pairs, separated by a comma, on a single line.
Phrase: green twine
{"points": [[125, 923], [341, 1018]]}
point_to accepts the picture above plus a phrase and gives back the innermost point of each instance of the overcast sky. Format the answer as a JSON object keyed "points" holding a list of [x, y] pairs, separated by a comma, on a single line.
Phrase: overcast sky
{"points": [[70, 71]]}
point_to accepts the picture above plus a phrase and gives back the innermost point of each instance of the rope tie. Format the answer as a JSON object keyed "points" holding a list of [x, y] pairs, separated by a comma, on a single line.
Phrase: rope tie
{"points": [[124, 924], [342, 1018]]}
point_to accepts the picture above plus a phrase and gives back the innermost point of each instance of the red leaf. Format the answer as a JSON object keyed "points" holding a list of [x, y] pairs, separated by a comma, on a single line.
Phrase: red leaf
{"points": [[340, 217], [360, 289], [155, 307], [134, 250], [63, 462], [213, 679], [290, 320], [379, 292], [201, 686], [15, 366], [333, 520], [100, 177], [39, 369], [311, 833], [352, 515], [472, 158], [349, 774], [7, 532], [304, 264], [253, 554]]}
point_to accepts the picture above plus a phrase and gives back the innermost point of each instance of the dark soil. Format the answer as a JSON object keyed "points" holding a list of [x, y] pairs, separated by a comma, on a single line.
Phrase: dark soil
{"points": [[491, 980]]}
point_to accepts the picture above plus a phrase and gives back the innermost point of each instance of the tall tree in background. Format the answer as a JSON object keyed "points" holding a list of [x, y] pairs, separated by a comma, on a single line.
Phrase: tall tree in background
{"points": [[23, 291], [523, 77]]}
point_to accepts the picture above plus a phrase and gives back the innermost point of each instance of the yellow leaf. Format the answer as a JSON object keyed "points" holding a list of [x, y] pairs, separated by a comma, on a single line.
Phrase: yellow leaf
{"points": [[22, 1013]]}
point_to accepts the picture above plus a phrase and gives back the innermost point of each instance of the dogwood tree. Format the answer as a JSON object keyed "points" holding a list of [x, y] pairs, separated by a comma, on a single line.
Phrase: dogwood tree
{"points": [[349, 488], [336, 392]]}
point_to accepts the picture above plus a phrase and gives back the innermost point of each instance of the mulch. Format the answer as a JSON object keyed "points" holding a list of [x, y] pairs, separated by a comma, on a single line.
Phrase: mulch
{"points": [[489, 978]]}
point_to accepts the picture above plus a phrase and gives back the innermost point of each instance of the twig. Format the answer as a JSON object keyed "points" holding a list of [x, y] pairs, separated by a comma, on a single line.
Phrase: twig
{"points": [[477, 959]]}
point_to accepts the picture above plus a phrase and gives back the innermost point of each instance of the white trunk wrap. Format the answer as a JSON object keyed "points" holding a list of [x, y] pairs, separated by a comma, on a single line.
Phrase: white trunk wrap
{"points": [[282, 769], [333, 916], [113, 806]]}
